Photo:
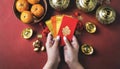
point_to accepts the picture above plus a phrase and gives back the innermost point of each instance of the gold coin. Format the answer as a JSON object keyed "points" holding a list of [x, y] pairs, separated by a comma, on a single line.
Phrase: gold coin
{"points": [[90, 27], [27, 33], [87, 49]]}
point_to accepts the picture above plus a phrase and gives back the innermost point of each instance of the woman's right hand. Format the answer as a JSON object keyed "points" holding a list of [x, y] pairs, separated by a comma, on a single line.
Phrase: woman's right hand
{"points": [[71, 50]]}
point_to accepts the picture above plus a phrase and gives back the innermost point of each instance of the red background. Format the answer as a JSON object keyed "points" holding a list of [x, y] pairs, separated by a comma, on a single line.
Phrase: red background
{"points": [[17, 53]]}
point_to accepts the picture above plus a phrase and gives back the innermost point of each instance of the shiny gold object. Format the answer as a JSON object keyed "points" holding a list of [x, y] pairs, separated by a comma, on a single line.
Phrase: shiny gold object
{"points": [[36, 44], [87, 49], [90, 27], [36, 49], [86, 5], [66, 31], [42, 48], [39, 36], [105, 14], [27, 33], [80, 18], [59, 4]]}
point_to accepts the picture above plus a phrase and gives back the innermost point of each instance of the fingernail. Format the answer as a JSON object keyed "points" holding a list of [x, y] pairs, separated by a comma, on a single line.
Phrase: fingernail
{"points": [[64, 38], [58, 37], [50, 33]]}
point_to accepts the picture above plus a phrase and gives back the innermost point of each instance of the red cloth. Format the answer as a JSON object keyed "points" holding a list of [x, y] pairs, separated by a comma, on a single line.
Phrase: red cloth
{"points": [[17, 53]]}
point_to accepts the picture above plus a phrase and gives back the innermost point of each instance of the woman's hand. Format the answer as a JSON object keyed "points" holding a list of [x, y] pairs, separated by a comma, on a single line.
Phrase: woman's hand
{"points": [[71, 53], [52, 52]]}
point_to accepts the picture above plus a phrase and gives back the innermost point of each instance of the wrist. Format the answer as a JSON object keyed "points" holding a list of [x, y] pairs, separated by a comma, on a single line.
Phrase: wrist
{"points": [[75, 65], [50, 65]]}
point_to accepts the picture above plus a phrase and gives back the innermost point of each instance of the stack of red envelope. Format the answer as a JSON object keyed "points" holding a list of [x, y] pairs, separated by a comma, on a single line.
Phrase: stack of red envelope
{"points": [[62, 25]]}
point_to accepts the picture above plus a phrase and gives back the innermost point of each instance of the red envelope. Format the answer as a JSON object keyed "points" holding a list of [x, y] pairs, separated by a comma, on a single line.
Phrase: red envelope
{"points": [[67, 28]]}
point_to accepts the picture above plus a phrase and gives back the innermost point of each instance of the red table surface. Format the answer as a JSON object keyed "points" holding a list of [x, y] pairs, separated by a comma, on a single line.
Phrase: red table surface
{"points": [[17, 53]]}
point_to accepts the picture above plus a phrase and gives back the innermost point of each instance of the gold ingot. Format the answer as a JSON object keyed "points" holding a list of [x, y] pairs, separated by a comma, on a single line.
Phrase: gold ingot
{"points": [[106, 15], [87, 49], [27, 33], [90, 27], [86, 5], [59, 4], [36, 44]]}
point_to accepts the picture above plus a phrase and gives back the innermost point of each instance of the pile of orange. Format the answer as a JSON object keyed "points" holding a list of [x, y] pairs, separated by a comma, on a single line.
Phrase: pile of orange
{"points": [[29, 9]]}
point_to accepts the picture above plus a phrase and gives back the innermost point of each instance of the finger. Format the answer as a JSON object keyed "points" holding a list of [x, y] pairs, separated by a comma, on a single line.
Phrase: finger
{"points": [[67, 43], [56, 41], [49, 40], [65, 48], [75, 43]]}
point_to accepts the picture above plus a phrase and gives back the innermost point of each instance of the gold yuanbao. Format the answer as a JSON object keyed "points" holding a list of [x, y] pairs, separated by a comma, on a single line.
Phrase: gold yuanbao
{"points": [[87, 49], [27, 33], [36, 44], [90, 27], [86, 5], [106, 15]]}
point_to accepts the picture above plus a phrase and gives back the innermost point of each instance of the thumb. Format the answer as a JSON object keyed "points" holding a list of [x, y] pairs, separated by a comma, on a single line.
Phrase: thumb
{"points": [[67, 43], [75, 42], [56, 41]]}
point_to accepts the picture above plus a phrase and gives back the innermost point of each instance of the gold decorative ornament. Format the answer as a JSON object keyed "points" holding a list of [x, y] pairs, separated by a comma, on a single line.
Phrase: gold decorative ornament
{"points": [[39, 36], [80, 18], [90, 27], [106, 15], [66, 31], [27, 33], [59, 4], [36, 49], [42, 48], [86, 5], [87, 49], [36, 44]]}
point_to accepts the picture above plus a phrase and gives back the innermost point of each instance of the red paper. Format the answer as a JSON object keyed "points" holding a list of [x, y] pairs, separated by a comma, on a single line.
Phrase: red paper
{"points": [[67, 28]]}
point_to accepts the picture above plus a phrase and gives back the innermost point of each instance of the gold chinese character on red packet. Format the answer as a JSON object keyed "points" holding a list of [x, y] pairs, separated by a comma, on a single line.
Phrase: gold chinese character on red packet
{"points": [[67, 28]]}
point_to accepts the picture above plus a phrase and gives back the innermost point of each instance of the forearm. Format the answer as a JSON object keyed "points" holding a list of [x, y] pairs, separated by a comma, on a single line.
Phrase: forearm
{"points": [[75, 66], [50, 65]]}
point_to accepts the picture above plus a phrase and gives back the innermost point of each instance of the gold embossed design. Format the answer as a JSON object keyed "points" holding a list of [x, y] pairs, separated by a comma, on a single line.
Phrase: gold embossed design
{"points": [[87, 49], [27, 33], [66, 31], [106, 15]]}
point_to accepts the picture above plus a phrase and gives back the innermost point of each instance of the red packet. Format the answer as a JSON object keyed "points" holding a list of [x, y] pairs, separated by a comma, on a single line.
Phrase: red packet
{"points": [[53, 19], [67, 28]]}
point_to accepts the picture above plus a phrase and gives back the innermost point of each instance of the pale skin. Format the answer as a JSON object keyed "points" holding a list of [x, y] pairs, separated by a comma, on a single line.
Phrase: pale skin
{"points": [[71, 50]]}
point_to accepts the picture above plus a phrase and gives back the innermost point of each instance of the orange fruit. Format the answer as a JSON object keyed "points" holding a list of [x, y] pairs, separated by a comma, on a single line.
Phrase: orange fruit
{"points": [[33, 1], [26, 17], [22, 5], [37, 10]]}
